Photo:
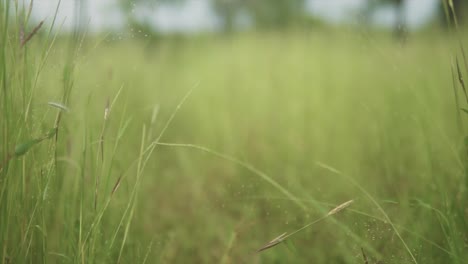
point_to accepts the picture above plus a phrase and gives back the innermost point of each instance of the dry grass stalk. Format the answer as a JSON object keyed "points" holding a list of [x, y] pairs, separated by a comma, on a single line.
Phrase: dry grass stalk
{"points": [[106, 116], [96, 194], [59, 106], [107, 109], [21, 33], [364, 256], [460, 79], [101, 149], [116, 186], [30, 35]]}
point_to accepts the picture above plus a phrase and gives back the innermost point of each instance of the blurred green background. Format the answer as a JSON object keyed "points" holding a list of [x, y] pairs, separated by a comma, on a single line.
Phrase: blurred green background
{"points": [[202, 146]]}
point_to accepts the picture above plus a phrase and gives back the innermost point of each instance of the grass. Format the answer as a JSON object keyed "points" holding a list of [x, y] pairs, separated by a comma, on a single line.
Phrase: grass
{"points": [[200, 149]]}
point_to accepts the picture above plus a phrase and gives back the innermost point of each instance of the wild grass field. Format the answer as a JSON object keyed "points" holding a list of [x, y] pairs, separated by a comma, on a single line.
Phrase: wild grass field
{"points": [[203, 149]]}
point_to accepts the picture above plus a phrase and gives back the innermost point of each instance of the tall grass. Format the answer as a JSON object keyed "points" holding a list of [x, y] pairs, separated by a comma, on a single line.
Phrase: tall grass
{"points": [[201, 149], [44, 216]]}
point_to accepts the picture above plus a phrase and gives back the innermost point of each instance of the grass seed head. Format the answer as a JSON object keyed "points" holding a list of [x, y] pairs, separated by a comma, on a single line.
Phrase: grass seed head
{"points": [[30, 35], [107, 110], [340, 207], [273, 242]]}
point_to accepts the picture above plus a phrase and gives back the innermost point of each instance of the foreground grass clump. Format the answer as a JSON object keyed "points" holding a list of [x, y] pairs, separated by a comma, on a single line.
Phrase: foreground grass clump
{"points": [[200, 150]]}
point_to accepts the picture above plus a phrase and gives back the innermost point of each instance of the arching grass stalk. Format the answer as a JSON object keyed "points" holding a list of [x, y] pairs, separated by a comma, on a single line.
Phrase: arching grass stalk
{"points": [[335, 171], [243, 164], [289, 196], [358, 212], [285, 236]]}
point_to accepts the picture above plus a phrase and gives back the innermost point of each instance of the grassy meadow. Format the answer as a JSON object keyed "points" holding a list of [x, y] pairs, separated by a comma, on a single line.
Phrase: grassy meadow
{"points": [[202, 149]]}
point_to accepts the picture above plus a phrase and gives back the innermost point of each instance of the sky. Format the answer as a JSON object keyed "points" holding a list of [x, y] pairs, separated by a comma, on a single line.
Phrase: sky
{"points": [[196, 15]]}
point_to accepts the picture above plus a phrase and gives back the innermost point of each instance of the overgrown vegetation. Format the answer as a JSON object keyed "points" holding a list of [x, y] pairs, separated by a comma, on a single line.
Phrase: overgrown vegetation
{"points": [[202, 149]]}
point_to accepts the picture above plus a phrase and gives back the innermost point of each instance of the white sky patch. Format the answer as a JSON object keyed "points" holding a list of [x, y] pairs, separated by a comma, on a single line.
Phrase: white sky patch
{"points": [[338, 11], [102, 14], [191, 17], [417, 13]]}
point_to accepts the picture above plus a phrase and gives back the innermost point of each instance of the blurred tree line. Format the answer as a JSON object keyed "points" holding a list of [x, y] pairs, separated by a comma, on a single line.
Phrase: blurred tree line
{"points": [[267, 14], [261, 13]]}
